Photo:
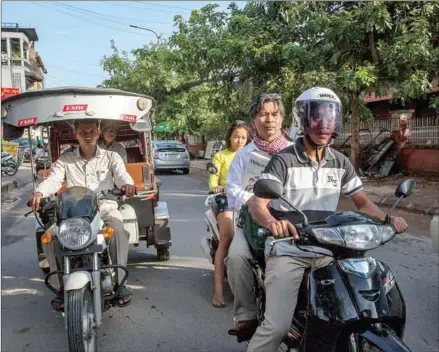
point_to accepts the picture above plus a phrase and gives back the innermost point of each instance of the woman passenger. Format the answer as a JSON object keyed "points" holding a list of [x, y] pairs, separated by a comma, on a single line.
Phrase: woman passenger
{"points": [[237, 137]]}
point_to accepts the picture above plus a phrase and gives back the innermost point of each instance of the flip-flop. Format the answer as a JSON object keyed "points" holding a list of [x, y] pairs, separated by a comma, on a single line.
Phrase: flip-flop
{"points": [[218, 304]]}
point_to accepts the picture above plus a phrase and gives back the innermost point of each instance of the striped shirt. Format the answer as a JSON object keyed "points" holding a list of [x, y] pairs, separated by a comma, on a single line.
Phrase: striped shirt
{"points": [[311, 187]]}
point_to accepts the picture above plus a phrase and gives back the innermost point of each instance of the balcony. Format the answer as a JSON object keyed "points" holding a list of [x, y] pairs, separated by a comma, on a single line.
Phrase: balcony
{"points": [[31, 67]]}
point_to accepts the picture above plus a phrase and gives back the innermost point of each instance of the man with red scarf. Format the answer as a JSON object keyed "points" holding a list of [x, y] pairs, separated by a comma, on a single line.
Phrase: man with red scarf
{"points": [[267, 114]]}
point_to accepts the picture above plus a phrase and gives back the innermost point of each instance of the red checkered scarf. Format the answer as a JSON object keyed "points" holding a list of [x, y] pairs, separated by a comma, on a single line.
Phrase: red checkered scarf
{"points": [[273, 147]]}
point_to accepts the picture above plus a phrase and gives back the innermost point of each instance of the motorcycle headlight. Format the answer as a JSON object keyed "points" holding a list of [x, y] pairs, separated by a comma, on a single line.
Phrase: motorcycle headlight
{"points": [[360, 237], [75, 233]]}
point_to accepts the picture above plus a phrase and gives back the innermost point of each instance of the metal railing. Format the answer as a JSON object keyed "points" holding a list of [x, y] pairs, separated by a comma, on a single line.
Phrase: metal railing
{"points": [[423, 130]]}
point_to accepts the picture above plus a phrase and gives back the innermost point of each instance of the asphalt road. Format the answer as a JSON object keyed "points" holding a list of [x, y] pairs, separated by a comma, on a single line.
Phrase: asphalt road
{"points": [[171, 308]]}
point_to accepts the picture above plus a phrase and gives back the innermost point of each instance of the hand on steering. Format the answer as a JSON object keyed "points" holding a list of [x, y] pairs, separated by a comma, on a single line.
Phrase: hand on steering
{"points": [[398, 223], [283, 228], [218, 189], [34, 201], [129, 190]]}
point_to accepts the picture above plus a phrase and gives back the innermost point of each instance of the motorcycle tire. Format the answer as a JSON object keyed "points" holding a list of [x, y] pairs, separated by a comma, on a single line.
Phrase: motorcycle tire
{"points": [[82, 335], [12, 168]]}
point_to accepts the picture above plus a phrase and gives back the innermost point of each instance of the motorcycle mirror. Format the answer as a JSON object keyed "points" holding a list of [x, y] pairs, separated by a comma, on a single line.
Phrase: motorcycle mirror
{"points": [[268, 189], [405, 188]]}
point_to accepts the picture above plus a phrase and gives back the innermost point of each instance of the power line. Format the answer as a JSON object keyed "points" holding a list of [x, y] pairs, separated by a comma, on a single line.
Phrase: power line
{"points": [[138, 7], [172, 7], [86, 12], [128, 19], [79, 61], [79, 72], [88, 21]]}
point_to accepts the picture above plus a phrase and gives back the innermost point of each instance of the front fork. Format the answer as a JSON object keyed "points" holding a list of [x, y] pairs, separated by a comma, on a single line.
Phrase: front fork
{"points": [[95, 286]]}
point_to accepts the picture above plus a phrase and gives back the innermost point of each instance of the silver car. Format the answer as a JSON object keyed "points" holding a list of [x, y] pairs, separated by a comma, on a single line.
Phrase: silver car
{"points": [[171, 155]]}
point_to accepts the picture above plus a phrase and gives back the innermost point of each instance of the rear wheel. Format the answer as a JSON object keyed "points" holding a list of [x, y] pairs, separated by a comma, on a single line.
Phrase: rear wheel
{"points": [[162, 254], [81, 328], [185, 171]]}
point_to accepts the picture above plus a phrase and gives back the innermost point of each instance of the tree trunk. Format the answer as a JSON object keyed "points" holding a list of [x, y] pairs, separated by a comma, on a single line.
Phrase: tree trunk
{"points": [[355, 131]]}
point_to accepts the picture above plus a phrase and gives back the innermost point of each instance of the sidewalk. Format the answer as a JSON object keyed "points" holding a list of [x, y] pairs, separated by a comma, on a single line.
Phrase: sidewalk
{"points": [[424, 199]]}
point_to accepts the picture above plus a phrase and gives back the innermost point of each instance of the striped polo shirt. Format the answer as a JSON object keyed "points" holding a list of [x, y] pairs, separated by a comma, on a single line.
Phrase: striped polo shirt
{"points": [[312, 187]]}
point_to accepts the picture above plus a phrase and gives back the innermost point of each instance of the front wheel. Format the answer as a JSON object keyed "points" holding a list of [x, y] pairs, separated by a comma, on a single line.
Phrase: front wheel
{"points": [[162, 254], [11, 168], [81, 327]]}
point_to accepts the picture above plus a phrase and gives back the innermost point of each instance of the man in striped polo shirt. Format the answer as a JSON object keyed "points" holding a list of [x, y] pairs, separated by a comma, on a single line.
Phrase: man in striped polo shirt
{"points": [[313, 176]]}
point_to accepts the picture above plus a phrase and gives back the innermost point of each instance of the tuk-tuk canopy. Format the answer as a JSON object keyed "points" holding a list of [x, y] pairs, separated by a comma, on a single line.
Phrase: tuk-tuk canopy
{"points": [[49, 106]]}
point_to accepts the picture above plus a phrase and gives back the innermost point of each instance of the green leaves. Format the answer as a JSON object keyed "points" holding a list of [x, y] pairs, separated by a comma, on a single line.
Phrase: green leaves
{"points": [[205, 74]]}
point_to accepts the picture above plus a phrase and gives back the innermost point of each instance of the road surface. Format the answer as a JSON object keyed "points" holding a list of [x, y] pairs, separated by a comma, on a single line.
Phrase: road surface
{"points": [[171, 308]]}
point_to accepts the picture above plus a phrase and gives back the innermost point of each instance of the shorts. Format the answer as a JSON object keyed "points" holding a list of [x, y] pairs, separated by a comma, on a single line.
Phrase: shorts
{"points": [[221, 203]]}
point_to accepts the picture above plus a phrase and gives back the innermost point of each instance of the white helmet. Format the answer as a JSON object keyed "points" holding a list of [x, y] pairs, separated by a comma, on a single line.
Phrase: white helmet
{"points": [[318, 110]]}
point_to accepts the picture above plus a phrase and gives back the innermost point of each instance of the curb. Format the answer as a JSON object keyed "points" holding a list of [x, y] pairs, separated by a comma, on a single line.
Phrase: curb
{"points": [[404, 205], [379, 200], [8, 186]]}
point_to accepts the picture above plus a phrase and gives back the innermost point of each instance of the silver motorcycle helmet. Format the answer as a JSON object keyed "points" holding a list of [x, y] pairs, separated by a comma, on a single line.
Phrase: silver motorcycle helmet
{"points": [[318, 110]]}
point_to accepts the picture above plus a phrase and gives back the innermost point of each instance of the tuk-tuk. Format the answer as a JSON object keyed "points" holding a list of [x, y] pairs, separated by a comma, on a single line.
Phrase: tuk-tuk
{"points": [[56, 109]]}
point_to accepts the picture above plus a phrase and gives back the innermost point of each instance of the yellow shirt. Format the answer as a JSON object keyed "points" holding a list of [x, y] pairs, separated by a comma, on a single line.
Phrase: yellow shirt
{"points": [[222, 161]]}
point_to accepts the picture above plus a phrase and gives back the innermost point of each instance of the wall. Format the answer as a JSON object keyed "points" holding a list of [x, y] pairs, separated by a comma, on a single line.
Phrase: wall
{"points": [[421, 160]]}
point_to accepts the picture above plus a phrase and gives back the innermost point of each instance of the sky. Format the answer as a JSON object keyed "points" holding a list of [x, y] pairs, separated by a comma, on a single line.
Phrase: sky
{"points": [[74, 36]]}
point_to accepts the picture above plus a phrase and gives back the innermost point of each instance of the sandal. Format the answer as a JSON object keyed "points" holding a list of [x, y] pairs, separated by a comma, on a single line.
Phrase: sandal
{"points": [[58, 303], [124, 298], [218, 304]]}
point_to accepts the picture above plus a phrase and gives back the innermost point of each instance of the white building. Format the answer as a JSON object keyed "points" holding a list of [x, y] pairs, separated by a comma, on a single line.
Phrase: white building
{"points": [[21, 64]]}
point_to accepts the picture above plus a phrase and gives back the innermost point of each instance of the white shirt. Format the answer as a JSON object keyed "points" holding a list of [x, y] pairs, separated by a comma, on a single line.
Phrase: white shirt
{"points": [[100, 173], [115, 147], [236, 195]]}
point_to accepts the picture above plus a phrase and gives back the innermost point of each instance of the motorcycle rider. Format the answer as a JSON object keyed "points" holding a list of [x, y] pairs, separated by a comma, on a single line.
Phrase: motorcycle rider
{"points": [[238, 136], [313, 175], [267, 114], [89, 166], [108, 141]]}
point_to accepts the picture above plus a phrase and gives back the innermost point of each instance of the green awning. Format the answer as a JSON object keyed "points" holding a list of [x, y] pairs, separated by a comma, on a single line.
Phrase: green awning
{"points": [[162, 127]]}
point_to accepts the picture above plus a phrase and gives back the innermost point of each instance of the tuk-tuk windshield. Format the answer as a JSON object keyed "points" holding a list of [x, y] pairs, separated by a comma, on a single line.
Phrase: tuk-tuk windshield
{"points": [[77, 202]]}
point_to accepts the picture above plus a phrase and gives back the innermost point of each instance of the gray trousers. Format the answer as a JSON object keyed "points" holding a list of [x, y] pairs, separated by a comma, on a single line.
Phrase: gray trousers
{"points": [[283, 276], [118, 247], [240, 276]]}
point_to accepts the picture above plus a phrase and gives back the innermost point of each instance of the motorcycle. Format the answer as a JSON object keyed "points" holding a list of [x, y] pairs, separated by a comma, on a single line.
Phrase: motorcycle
{"points": [[209, 245], [82, 242], [9, 166], [352, 304]]}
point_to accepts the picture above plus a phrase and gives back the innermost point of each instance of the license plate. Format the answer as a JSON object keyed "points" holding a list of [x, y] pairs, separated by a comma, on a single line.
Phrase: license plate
{"points": [[172, 156]]}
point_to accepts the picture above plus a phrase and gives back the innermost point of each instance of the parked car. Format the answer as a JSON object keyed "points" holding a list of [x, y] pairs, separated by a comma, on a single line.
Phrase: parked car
{"points": [[171, 155]]}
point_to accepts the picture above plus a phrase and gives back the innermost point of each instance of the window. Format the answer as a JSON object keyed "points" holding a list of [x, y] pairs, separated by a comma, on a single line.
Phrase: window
{"points": [[16, 81], [5, 55]]}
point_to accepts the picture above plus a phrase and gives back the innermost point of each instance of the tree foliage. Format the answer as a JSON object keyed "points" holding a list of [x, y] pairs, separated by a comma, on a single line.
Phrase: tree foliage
{"points": [[204, 75]]}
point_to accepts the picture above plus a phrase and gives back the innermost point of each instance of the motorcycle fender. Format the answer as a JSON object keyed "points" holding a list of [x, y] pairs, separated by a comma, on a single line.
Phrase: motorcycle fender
{"points": [[329, 298], [384, 339], [77, 280]]}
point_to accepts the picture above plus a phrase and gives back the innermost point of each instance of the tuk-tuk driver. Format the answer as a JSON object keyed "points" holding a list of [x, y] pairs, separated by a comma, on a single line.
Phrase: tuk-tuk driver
{"points": [[97, 169], [108, 141]]}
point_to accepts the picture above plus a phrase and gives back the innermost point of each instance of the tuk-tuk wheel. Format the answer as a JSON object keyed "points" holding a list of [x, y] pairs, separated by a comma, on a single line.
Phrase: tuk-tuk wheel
{"points": [[45, 270], [162, 254]]}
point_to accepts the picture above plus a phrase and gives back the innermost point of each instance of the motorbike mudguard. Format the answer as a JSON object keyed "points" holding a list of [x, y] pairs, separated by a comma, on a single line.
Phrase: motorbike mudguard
{"points": [[77, 280], [384, 339], [366, 281], [342, 300]]}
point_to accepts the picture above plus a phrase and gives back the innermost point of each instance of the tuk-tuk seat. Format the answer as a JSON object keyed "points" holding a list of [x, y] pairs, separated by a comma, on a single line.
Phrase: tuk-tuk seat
{"points": [[142, 175]]}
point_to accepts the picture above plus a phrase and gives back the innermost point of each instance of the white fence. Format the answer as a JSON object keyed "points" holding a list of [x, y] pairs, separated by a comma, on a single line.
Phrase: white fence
{"points": [[423, 130]]}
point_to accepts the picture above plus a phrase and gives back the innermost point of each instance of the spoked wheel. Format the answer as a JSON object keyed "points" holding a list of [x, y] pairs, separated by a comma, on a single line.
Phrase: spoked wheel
{"points": [[81, 328], [11, 168], [162, 254]]}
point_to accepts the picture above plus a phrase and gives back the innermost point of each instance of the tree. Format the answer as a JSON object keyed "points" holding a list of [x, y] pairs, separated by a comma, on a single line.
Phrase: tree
{"points": [[205, 74]]}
